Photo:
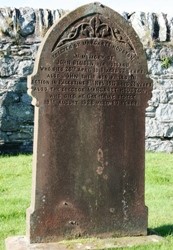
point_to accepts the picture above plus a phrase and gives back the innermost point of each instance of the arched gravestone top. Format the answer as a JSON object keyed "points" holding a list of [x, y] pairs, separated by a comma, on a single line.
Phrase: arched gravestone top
{"points": [[98, 26], [90, 90]]}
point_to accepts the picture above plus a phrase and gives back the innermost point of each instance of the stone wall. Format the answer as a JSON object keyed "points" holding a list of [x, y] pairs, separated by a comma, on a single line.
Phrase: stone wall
{"points": [[156, 34], [21, 31]]}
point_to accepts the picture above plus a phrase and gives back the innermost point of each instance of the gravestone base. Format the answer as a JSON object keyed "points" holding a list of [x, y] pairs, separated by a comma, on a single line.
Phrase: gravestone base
{"points": [[22, 243]]}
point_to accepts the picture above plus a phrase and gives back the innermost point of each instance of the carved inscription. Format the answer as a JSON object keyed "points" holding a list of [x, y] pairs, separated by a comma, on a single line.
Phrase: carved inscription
{"points": [[95, 42], [91, 79]]}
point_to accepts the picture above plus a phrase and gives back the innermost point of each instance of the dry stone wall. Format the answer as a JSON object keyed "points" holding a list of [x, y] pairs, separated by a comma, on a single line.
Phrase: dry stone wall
{"points": [[21, 31]]}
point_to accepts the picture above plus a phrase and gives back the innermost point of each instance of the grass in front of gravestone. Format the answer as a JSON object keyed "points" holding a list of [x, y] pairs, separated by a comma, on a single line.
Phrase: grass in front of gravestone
{"points": [[15, 179], [15, 186], [159, 199]]}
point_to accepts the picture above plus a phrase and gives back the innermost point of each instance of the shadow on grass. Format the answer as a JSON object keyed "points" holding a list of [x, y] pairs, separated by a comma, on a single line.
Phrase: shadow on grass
{"points": [[163, 231], [15, 148], [14, 153]]}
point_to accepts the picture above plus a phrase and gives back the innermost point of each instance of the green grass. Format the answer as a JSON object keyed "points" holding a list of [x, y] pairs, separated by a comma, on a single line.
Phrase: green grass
{"points": [[15, 186], [159, 198], [15, 189]]}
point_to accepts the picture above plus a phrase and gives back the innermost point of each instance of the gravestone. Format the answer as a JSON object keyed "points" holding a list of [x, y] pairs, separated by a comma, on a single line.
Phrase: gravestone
{"points": [[90, 89]]}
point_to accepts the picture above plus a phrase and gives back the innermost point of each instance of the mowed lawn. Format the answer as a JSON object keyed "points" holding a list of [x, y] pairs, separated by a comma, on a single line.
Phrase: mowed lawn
{"points": [[15, 189]]}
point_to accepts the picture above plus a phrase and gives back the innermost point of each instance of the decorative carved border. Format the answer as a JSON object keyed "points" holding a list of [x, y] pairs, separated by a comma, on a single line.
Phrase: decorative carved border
{"points": [[95, 28]]}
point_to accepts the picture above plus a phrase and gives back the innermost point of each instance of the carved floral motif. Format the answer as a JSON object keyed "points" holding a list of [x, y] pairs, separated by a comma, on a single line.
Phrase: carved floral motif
{"points": [[95, 28]]}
